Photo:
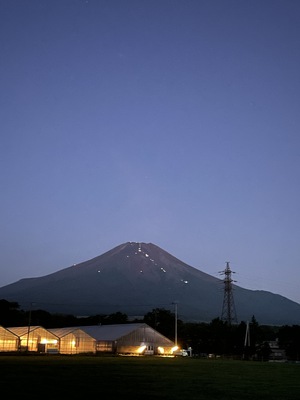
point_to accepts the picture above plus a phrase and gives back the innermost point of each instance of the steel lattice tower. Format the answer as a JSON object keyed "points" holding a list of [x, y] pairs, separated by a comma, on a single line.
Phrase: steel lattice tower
{"points": [[228, 309]]}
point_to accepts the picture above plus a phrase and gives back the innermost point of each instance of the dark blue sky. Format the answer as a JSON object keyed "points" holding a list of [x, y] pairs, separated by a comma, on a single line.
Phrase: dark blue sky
{"points": [[163, 121]]}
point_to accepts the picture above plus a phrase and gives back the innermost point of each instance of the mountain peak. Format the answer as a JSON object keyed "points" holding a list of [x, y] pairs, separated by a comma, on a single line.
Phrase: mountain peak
{"points": [[135, 278]]}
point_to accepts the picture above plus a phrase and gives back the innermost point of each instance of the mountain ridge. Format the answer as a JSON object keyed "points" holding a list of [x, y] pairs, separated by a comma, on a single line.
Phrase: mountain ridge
{"points": [[136, 277]]}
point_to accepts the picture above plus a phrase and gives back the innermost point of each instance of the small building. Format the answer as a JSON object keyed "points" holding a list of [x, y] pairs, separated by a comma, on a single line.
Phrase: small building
{"points": [[74, 341], [276, 354], [8, 340], [35, 338], [135, 338]]}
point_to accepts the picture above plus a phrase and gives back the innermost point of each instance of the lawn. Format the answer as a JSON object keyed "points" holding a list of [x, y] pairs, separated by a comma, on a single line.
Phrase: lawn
{"points": [[50, 376]]}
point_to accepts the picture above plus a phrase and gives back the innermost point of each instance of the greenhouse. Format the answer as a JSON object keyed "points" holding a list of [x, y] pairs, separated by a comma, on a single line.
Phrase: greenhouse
{"points": [[136, 338], [35, 338], [8, 340], [74, 341], [131, 338]]}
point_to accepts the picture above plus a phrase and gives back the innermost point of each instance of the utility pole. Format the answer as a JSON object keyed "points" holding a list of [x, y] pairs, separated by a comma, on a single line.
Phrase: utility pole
{"points": [[176, 317], [228, 309], [247, 343], [28, 329], [247, 336]]}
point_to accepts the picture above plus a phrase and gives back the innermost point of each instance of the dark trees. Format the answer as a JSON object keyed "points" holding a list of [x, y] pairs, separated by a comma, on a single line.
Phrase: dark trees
{"points": [[289, 339]]}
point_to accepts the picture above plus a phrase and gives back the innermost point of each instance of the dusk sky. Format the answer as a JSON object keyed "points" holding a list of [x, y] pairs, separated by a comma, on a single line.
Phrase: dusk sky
{"points": [[175, 122]]}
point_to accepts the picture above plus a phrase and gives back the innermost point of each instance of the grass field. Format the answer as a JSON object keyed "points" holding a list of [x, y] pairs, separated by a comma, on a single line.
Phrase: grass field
{"points": [[142, 378]]}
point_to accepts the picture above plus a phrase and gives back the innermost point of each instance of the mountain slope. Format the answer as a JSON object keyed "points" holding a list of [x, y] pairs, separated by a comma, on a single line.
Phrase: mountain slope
{"points": [[135, 278]]}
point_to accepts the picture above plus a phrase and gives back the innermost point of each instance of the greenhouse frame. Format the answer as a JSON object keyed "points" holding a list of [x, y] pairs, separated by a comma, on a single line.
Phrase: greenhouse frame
{"points": [[130, 338], [8, 340], [135, 338], [74, 341], [35, 338]]}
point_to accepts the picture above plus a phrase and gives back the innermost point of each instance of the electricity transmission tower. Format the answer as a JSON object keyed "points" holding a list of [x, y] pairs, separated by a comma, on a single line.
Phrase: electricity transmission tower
{"points": [[228, 309]]}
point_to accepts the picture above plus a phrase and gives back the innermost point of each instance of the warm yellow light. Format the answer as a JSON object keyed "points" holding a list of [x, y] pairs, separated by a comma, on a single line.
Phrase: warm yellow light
{"points": [[73, 342], [48, 341], [174, 349], [161, 350], [141, 349]]}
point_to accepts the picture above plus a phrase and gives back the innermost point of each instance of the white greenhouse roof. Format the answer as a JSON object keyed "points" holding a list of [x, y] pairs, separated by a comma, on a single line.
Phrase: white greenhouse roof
{"points": [[96, 332], [112, 332], [61, 332], [4, 333], [23, 330]]}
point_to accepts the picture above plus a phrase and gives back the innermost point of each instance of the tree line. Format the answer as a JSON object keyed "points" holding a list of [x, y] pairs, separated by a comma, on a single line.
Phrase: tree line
{"points": [[217, 338]]}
